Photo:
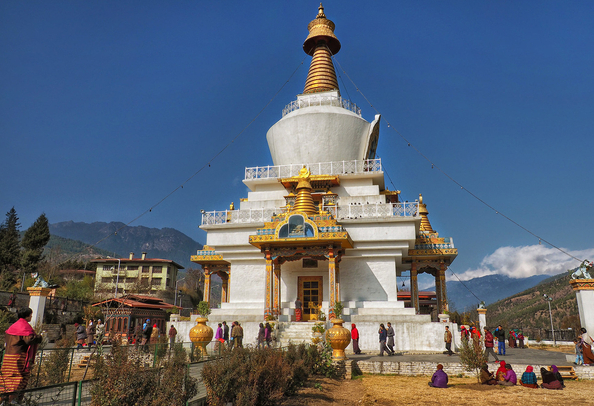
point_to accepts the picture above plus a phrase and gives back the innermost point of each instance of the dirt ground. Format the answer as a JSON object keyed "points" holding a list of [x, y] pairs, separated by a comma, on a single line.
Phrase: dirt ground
{"points": [[389, 390]]}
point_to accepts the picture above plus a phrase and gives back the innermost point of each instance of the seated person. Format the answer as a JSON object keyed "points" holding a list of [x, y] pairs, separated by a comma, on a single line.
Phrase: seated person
{"points": [[486, 376], [500, 371], [529, 378], [549, 380], [439, 378], [510, 378], [558, 376]]}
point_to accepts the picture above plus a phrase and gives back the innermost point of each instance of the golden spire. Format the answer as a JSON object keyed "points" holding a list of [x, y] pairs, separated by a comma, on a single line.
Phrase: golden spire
{"points": [[321, 43], [425, 224], [304, 202]]}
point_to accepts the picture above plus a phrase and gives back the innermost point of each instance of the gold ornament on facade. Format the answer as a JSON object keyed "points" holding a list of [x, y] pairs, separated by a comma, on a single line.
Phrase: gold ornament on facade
{"points": [[339, 338], [201, 335]]}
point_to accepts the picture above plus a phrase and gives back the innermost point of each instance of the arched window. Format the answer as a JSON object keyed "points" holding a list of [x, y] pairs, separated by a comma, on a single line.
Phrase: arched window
{"points": [[296, 228]]}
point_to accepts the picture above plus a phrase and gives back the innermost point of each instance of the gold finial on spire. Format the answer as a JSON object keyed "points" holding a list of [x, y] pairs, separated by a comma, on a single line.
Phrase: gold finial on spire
{"points": [[423, 212], [321, 43]]}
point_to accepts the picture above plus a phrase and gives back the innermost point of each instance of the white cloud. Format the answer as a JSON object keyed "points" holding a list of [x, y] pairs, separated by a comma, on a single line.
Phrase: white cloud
{"points": [[523, 262]]}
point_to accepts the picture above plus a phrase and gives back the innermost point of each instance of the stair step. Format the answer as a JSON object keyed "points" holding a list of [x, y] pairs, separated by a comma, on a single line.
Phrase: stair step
{"points": [[567, 372]]}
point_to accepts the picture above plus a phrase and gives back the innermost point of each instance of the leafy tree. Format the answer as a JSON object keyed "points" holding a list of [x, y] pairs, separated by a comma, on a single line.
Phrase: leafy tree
{"points": [[34, 240], [472, 356], [10, 242]]}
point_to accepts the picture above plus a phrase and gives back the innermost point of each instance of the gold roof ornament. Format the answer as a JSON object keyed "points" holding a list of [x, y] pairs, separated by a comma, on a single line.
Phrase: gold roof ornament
{"points": [[321, 43], [304, 201], [425, 224]]}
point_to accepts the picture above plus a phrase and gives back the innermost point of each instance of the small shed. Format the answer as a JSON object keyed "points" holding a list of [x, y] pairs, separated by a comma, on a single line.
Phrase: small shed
{"points": [[123, 314]]}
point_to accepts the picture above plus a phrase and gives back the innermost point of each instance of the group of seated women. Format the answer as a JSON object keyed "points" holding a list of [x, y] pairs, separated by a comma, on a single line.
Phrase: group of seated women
{"points": [[505, 375]]}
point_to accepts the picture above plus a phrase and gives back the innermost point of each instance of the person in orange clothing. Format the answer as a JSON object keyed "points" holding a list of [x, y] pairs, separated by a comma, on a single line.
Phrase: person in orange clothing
{"points": [[20, 348]]}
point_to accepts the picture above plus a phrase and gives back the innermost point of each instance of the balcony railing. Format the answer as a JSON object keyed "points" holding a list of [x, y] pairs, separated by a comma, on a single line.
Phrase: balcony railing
{"points": [[321, 168], [353, 211], [336, 101]]}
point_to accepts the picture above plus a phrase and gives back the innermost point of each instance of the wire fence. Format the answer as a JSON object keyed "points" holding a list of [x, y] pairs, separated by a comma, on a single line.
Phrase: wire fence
{"points": [[64, 376]]}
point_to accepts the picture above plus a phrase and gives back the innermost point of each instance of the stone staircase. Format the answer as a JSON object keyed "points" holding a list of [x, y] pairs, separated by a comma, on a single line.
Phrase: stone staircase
{"points": [[295, 333]]}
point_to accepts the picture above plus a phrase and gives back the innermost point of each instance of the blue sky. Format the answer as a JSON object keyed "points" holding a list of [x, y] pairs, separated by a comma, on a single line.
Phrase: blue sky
{"points": [[106, 107]]}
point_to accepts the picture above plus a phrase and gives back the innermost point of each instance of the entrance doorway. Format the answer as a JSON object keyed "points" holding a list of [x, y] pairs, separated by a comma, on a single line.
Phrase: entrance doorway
{"points": [[310, 294]]}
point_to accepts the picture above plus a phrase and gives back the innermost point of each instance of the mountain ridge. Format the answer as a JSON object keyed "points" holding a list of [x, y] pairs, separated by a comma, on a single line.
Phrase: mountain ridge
{"points": [[117, 238]]}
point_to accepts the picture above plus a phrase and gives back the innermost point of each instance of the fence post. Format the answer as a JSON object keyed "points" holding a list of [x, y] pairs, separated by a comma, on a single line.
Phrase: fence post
{"points": [[75, 384], [70, 367], [80, 392], [39, 368]]}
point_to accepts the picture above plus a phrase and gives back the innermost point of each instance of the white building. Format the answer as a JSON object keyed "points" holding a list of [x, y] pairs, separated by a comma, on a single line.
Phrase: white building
{"points": [[321, 225]]}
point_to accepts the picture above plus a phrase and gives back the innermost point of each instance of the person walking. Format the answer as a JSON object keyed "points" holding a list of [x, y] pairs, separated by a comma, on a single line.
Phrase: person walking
{"points": [[20, 343], [100, 330], [383, 335], [172, 334], [390, 342], [90, 334], [155, 334], [489, 344], [268, 334], [226, 333], [147, 331], [81, 335], [447, 337], [260, 339], [298, 309], [219, 339], [355, 339], [500, 335]]}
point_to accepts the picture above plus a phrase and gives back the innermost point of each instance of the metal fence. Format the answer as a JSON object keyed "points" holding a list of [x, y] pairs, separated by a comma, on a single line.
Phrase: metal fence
{"points": [[78, 392]]}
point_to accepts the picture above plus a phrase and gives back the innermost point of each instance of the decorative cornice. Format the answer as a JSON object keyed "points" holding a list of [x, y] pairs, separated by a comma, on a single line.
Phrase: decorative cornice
{"points": [[582, 284], [39, 291]]}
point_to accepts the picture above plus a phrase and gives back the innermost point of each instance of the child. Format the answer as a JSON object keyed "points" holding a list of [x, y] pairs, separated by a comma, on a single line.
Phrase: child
{"points": [[579, 356]]}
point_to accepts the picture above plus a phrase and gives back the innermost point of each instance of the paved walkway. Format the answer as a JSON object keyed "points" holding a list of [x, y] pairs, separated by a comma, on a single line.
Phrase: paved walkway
{"points": [[513, 356]]}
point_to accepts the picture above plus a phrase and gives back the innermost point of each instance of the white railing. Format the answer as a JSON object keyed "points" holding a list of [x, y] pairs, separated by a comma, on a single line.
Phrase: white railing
{"points": [[336, 101], [352, 211], [238, 216], [321, 168]]}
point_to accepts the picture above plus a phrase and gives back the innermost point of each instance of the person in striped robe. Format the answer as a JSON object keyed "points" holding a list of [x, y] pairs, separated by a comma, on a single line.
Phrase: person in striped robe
{"points": [[21, 345]]}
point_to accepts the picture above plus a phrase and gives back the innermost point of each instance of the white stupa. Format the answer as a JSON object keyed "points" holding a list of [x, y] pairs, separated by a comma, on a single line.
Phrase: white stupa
{"points": [[319, 224]]}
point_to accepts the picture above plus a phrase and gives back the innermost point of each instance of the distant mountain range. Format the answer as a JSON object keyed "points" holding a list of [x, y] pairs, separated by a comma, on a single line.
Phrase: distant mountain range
{"points": [[529, 309], [166, 243], [488, 288]]}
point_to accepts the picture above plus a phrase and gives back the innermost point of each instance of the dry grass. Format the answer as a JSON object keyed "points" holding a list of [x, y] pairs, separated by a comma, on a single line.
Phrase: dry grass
{"points": [[389, 390], [395, 390]]}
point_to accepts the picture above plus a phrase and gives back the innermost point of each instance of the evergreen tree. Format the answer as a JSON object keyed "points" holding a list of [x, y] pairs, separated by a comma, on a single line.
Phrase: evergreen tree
{"points": [[34, 240], [10, 244]]}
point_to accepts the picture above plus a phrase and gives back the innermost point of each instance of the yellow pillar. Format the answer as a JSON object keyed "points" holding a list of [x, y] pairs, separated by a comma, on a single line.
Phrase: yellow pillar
{"points": [[206, 284], [277, 288], [224, 287], [438, 289], [332, 278], [443, 290], [267, 294], [414, 288]]}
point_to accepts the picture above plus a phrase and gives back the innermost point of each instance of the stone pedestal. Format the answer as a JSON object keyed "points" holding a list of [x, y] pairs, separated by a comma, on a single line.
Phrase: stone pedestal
{"points": [[443, 318], [482, 315], [37, 298], [584, 293]]}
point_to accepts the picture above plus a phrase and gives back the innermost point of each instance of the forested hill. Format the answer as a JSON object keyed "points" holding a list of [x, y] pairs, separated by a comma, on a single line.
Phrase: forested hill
{"points": [[166, 243], [529, 309], [60, 249]]}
